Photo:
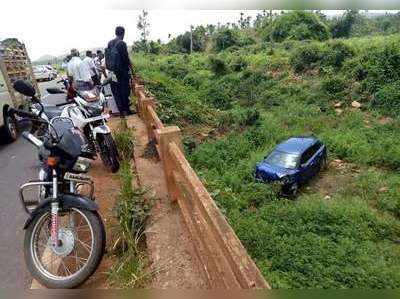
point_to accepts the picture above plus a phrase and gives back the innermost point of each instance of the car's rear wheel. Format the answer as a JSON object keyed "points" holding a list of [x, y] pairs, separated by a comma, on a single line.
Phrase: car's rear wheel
{"points": [[324, 163]]}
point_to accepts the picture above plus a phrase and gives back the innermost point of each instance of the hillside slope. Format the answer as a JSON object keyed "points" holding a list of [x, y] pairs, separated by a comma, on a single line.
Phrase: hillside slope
{"points": [[234, 106]]}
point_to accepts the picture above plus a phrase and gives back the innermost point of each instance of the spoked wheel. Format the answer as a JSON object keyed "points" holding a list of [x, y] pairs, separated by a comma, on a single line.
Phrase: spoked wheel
{"points": [[76, 256], [108, 152]]}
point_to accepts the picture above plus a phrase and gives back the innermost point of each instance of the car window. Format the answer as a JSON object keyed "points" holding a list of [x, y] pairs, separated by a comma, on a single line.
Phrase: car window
{"points": [[308, 154], [282, 159], [3, 86]]}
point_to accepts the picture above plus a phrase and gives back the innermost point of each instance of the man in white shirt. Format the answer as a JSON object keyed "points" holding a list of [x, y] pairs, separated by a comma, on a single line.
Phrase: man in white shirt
{"points": [[89, 63], [78, 72]]}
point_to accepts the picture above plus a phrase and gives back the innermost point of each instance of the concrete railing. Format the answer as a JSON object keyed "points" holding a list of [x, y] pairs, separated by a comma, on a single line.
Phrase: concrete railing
{"points": [[225, 262]]}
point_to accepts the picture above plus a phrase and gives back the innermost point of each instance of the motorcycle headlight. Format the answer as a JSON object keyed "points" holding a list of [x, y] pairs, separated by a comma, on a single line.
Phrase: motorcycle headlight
{"points": [[89, 96], [81, 165]]}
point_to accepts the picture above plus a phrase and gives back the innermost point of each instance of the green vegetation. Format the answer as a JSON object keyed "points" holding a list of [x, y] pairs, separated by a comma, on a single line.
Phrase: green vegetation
{"points": [[235, 103], [131, 267]]}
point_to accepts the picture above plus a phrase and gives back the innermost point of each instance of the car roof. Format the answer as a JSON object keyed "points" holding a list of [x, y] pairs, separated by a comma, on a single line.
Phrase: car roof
{"points": [[297, 145]]}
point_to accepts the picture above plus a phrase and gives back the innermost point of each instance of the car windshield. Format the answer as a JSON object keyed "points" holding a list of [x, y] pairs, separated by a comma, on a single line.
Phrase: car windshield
{"points": [[282, 159]]}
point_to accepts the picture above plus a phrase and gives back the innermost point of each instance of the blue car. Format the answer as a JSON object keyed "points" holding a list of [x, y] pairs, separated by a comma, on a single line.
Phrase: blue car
{"points": [[292, 163]]}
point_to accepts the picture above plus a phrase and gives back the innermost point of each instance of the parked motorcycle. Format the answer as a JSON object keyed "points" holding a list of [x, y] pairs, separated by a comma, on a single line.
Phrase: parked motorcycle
{"points": [[86, 109], [64, 235]]}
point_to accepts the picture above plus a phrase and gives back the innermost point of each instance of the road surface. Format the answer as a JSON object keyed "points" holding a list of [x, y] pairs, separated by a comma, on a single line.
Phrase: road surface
{"points": [[18, 164]]}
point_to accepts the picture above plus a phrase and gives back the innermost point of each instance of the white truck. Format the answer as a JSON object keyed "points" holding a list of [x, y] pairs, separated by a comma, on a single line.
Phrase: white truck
{"points": [[14, 65]]}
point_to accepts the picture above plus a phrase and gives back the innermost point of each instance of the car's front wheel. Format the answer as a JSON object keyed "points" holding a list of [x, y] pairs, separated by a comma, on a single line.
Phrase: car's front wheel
{"points": [[290, 190], [10, 129]]}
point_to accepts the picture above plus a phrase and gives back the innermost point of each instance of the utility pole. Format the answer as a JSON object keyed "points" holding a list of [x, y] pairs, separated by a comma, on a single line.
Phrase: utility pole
{"points": [[191, 39]]}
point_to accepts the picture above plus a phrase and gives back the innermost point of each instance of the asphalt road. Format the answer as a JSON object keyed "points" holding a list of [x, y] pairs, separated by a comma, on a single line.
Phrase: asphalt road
{"points": [[18, 164]]}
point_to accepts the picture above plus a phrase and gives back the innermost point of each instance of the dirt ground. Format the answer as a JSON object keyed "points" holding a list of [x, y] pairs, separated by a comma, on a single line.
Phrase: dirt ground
{"points": [[333, 179], [171, 251]]}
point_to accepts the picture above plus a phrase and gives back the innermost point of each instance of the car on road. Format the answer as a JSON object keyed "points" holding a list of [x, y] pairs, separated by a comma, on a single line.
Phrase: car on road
{"points": [[42, 73], [8, 129], [293, 163], [53, 71], [14, 65]]}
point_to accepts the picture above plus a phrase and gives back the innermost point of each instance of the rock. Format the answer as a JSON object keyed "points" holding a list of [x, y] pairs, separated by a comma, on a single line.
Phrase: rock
{"points": [[338, 104], [356, 104], [383, 189], [385, 120], [337, 161], [338, 111]]}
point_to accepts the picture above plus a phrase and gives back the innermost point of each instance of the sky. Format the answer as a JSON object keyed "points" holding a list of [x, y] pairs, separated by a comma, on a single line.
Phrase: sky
{"points": [[48, 28]]}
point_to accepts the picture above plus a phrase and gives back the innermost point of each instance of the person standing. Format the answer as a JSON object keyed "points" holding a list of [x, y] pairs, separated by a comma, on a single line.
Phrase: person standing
{"points": [[117, 61], [98, 62], [78, 73], [89, 64]]}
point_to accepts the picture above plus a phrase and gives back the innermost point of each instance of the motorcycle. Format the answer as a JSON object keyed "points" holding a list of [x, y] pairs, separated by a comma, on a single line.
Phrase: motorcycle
{"points": [[64, 235], [86, 108]]}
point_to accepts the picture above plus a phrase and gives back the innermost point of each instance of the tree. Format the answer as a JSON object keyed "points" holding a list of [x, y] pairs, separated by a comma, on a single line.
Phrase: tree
{"points": [[297, 25], [225, 38], [144, 27], [191, 41], [343, 25]]}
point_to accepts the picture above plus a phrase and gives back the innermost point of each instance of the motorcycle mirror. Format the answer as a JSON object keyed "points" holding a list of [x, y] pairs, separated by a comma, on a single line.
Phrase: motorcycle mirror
{"points": [[24, 87]]}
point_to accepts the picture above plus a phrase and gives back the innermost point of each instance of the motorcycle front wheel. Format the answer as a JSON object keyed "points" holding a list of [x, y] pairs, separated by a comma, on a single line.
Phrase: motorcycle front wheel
{"points": [[76, 257], [108, 152]]}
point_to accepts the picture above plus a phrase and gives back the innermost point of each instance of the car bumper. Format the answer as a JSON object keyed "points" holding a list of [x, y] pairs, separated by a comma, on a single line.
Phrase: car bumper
{"points": [[42, 77]]}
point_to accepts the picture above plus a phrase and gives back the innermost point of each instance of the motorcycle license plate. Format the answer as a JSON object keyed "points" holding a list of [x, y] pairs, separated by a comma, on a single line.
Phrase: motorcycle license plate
{"points": [[76, 177]]}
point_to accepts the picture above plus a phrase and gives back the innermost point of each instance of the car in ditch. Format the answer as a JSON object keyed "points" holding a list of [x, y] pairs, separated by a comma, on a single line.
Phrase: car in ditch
{"points": [[293, 163]]}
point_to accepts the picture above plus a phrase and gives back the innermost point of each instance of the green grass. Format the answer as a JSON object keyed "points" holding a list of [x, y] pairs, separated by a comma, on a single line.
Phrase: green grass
{"points": [[131, 267], [348, 241]]}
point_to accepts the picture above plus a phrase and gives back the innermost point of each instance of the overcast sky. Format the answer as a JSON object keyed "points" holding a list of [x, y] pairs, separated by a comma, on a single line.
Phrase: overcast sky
{"points": [[46, 27]]}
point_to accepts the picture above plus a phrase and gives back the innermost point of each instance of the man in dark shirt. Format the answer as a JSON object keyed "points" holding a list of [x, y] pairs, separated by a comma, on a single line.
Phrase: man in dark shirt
{"points": [[121, 86]]}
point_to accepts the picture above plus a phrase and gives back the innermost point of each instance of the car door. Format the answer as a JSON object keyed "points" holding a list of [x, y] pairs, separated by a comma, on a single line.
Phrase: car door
{"points": [[305, 168], [315, 159]]}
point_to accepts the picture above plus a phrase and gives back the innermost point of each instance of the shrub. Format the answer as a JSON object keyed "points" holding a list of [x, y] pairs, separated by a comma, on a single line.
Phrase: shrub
{"points": [[307, 56], [238, 64], [387, 99], [217, 65], [333, 85], [298, 25], [220, 94], [337, 52], [377, 66], [332, 54]]}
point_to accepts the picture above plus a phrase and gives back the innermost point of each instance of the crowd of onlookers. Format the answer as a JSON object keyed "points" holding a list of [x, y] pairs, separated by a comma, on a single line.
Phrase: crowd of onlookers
{"points": [[113, 66]]}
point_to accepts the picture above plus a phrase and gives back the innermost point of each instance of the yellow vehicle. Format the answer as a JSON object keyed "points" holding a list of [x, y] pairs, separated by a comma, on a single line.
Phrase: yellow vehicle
{"points": [[14, 65]]}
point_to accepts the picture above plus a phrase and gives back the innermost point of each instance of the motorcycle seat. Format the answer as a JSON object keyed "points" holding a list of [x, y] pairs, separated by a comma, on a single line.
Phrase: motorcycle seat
{"points": [[52, 111]]}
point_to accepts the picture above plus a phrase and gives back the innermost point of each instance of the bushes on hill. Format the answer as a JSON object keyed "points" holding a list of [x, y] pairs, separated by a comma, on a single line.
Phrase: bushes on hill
{"points": [[298, 25], [387, 99], [331, 54], [377, 66], [225, 38]]}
